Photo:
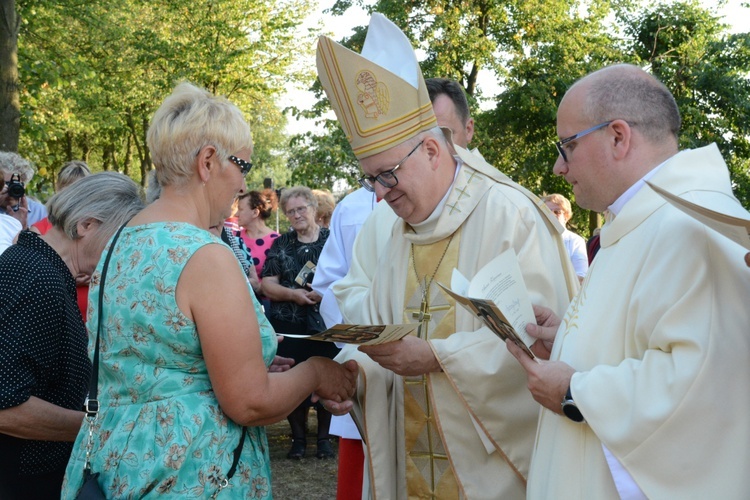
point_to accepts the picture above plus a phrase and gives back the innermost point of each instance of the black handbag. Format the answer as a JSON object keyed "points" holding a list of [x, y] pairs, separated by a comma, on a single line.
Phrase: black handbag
{"points": [[91, 490]]}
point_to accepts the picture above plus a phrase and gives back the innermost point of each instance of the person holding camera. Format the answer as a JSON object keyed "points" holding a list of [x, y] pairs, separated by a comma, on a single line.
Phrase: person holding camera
{"points": [[11, 223], [17, 172]]}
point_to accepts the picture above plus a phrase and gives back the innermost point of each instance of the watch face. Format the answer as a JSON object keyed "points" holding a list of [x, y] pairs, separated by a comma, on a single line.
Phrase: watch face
{"points": [[571, 411]]}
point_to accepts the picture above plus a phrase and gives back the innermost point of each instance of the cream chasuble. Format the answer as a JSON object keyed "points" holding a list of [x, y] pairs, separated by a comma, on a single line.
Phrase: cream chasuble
{"points": [[473, 424], [659, 336]]}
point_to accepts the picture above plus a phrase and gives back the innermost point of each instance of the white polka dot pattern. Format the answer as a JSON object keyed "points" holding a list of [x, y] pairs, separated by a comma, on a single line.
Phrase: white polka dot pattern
{"points": [[42, 347]]}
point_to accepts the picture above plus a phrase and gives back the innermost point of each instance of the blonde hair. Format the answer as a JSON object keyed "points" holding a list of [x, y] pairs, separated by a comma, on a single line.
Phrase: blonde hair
{"points": [[326, 204], [562, 201], [189, 119], [71, 172]]}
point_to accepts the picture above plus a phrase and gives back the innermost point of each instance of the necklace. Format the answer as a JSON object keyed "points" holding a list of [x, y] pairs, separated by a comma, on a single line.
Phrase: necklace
{"points": [[423, 315]]}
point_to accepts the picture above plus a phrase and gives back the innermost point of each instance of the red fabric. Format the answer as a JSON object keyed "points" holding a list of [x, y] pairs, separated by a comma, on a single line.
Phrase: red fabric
{"points": [[351, 468], [82, 292], [43, 225], [592, 246]]}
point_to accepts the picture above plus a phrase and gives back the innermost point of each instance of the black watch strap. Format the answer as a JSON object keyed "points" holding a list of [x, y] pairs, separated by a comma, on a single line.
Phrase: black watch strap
{"points": [[570, 409]]}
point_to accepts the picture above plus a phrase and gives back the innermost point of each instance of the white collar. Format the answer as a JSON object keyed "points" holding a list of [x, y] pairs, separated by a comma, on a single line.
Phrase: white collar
{"points": [[616, 207]]}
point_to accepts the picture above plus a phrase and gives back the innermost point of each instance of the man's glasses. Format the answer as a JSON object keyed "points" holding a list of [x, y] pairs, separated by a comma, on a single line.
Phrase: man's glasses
{"points": [[244, 166], [388, 178], [562, 142], [294, 211]]}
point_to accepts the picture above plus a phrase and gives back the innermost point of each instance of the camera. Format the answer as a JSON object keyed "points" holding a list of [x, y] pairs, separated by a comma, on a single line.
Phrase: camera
{"points": [[15, 187]]}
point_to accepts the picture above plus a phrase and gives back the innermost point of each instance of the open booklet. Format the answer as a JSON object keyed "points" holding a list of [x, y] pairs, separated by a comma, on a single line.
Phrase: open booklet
{"points": [[734, 228], [360, 334], [497, 294]]}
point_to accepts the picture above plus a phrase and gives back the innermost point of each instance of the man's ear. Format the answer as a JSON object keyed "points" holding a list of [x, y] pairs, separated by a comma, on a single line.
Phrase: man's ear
{"points": [[469, 131], [432, 149], [621, 135]]}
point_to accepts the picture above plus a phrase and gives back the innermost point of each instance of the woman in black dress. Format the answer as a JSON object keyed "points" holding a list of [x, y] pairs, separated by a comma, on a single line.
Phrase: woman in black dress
{"points": [[294, 305]]}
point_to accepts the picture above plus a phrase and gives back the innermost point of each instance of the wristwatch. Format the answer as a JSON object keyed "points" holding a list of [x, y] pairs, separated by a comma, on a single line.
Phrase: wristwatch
{"points": [[570, 409]]}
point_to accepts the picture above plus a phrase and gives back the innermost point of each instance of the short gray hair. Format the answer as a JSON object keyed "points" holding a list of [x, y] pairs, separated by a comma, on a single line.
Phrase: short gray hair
{"points": [[15, 164], [108, 197], [298, 191], [189, 119]]}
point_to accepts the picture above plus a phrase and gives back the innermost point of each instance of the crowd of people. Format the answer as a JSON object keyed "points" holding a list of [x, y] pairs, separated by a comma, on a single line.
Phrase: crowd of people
{"points": [[140, 352]]}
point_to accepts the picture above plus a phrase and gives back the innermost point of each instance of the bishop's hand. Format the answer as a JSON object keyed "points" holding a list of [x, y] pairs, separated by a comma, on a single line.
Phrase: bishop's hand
{"points": [[407, 357]]}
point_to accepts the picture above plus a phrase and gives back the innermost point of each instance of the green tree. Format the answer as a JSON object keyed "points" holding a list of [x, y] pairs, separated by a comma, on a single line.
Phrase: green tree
{"points": [[9, 103], [707, 70], [94, 73]]}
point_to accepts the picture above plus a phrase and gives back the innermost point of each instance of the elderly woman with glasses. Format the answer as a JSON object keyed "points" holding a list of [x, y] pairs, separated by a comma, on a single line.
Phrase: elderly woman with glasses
{"points": [[294, 305], [182, 382]]}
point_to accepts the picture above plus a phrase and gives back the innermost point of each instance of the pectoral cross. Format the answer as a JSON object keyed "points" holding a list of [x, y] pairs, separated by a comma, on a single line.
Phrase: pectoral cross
{"points": [[423, 316], [426, 312]]}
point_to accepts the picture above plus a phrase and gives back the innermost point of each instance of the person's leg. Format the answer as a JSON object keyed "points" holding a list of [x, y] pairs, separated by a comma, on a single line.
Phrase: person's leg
{"points": [[297, 422], [325, 449]]}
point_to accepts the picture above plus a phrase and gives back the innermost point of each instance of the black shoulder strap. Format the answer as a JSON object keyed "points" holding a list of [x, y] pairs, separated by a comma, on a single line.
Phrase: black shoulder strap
{"points": [[92, 403]]}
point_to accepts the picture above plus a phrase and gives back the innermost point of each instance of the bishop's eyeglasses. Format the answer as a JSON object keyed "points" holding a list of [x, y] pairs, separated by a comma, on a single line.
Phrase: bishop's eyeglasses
{"points": [[388, 178]]}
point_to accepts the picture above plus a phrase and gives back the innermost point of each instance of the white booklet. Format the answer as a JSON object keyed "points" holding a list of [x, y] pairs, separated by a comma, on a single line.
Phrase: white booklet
{"points": [[498, 295]]}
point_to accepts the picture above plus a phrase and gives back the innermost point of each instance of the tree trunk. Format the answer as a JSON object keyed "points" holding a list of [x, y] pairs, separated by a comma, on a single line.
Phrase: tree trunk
{"points": [[10, 107]]}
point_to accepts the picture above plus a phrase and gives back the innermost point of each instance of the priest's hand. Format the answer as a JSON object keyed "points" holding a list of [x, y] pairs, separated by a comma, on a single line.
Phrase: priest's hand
{"points": [[409, 356], [548, 381], [333, 407], [544, 331]]}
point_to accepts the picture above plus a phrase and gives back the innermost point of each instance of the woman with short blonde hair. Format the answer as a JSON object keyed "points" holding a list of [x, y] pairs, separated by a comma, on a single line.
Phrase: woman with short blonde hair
{"points": [[183, 383]]}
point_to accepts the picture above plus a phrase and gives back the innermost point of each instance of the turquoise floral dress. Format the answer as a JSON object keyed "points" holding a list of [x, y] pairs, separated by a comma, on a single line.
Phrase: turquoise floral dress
{"points": [[160, 431]]}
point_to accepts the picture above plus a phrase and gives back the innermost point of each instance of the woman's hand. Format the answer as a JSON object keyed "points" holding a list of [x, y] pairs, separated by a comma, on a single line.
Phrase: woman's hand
{"points": [[314, 296], [281, 364], [300, 297], [336, 381]]}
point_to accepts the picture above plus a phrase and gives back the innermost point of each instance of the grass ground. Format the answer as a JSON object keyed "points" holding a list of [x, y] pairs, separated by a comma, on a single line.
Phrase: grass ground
{"points": [[309, 478]]}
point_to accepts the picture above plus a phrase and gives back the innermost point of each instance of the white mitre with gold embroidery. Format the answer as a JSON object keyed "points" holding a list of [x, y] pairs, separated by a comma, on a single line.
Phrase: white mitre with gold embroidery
{"points": [[379, 96]]}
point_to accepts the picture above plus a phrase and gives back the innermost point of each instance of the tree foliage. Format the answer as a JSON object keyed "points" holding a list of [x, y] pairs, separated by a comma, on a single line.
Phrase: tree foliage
{"points": [[536, 49], [93, 73]]}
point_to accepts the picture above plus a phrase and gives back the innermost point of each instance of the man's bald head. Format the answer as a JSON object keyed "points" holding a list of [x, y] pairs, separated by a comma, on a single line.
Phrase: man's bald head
{"points": [[626, 92]]}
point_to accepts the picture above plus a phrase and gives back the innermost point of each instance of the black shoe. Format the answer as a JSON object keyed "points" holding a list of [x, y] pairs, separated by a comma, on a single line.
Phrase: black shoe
{"points": [[325, 450], [298, 449]]}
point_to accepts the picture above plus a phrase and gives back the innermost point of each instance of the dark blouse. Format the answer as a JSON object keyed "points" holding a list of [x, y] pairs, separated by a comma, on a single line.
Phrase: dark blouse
{"points": [[43, 349], [285, 259]]}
